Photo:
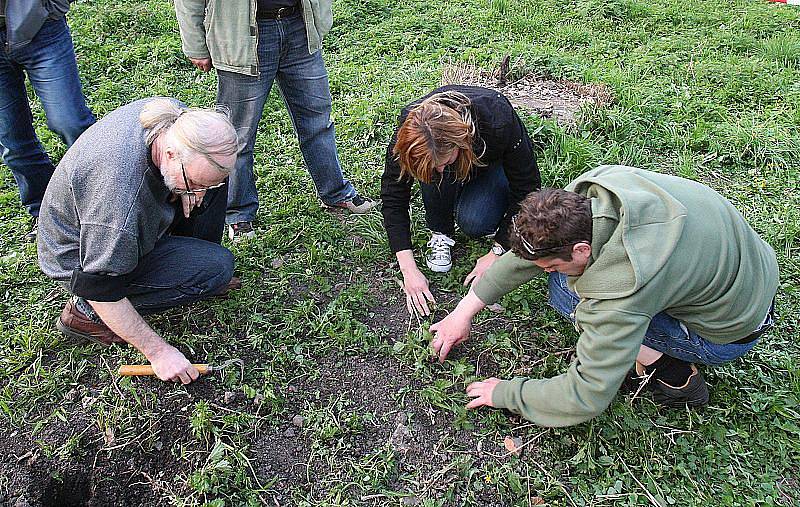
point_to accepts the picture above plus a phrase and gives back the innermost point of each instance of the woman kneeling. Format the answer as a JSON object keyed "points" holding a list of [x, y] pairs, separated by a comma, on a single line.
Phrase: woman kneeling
{"points": [[475, 163]]}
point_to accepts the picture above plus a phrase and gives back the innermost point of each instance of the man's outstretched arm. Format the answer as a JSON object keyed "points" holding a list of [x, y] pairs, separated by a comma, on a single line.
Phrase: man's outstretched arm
{"points": [[455, 328], [168, 362]]}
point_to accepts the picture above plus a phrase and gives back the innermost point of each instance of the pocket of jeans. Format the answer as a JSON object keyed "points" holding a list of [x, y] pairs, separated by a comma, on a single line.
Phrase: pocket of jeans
{"points": [[51, 31]]}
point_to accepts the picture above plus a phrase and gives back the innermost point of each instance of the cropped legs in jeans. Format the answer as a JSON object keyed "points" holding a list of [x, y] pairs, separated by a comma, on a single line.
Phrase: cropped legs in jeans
{"points": [[186, 266], [49, 62], [665, 333], [477, 206], [303, 82]]}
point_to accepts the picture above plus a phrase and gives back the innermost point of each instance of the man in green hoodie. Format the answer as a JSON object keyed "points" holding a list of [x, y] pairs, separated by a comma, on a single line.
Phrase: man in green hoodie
{"points": [[657, 273]]}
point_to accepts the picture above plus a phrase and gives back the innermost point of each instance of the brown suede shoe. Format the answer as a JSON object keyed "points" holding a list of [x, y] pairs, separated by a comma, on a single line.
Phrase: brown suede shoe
{"points": [[76, 324], [234, 284]]}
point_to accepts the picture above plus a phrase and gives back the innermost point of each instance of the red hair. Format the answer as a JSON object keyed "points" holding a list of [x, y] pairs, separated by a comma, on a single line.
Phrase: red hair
{"points": [[431, 131]]}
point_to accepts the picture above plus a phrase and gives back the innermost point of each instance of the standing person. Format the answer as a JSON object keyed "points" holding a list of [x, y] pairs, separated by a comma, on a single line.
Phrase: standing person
{"points": [[475, 163], [657, 273], [131, 224], [36, 41], [252, 43]]}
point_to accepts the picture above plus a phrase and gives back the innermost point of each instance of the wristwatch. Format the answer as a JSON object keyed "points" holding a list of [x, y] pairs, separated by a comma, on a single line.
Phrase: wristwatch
{"points": [[498, 249]]}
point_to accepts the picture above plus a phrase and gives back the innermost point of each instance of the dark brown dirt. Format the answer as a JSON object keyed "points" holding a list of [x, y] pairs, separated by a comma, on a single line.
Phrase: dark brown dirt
{"points": [[382, 389]]}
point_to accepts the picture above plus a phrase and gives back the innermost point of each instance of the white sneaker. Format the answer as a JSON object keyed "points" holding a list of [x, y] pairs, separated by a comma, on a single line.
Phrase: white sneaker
{"points": [[357, 205], [438, 258], [241, 231]]}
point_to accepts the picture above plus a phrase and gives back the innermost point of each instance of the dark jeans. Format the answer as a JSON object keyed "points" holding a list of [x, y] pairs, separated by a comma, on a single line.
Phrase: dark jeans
{"points": [[187, 265], [49, 62], [477, 206], [303, 82], [665, 334]]}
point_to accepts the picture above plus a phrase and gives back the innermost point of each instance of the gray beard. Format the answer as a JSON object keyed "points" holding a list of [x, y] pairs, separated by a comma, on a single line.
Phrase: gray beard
{"points": [[170, 181]]}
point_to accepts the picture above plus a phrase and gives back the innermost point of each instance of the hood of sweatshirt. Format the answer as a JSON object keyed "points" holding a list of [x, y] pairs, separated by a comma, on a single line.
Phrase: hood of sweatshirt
{"points": [[635, 228]]}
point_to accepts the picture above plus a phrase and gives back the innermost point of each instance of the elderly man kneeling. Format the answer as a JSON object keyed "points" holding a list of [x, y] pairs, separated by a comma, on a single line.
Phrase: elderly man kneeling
{"points": [[131, 224]]}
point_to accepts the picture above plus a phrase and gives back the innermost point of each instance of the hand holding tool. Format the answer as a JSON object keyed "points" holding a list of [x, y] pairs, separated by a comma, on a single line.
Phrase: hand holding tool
{"points": [[138, 370]]}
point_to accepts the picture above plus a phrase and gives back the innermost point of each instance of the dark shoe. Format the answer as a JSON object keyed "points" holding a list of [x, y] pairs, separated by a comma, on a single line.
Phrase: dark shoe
{"points": [[634, 382], [357, 205], [78, 320], [31, 236], [694, 393], [234, 284], [241, 230]]}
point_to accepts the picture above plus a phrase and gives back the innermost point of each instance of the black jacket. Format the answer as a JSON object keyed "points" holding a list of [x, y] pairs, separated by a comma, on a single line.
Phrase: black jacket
{"points": [[505, 139]]}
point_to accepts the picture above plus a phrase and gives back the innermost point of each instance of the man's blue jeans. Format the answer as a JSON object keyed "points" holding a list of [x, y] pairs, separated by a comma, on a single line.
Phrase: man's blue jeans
{"points": [[303, 82], [49, 62], [186, 265], [477, 206], [665, 333]]}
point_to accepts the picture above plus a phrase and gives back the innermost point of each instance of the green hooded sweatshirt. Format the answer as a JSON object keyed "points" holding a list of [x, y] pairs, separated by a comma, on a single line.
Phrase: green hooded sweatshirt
{"points": [[659, 244]]}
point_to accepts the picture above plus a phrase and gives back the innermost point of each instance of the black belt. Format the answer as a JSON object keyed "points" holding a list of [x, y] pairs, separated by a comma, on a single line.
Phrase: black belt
{"points": [[283, 12], [757, 334]]}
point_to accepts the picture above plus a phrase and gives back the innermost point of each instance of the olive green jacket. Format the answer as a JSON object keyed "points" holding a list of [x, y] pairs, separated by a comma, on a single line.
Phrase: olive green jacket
{"points": [[659, 244], [227, 30]]}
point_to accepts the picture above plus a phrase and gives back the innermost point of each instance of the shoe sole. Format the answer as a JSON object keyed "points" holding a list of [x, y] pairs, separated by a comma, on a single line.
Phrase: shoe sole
{"points": [[439, 269], [241, 237], [363, 211], [76, 335]]}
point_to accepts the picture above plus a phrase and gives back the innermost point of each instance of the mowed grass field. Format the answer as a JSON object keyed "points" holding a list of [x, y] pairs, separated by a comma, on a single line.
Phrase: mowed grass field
{"points": [[337, 402]]}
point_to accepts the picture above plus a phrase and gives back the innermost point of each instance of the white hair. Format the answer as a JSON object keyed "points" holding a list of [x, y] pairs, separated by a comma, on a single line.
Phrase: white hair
{"points": [[192, 131]]}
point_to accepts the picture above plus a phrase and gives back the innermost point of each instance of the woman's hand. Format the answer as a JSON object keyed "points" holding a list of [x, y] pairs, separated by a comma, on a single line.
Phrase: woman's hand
{"points": [[418, 295]]}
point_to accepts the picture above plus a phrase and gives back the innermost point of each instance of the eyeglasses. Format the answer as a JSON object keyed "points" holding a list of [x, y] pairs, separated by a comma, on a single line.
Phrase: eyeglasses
{"points": [[192, 193], [538, 252]]}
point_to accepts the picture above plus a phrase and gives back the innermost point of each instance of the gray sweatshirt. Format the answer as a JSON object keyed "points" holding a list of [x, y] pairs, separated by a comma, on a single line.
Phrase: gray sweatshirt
{"points": [[104, 209]]}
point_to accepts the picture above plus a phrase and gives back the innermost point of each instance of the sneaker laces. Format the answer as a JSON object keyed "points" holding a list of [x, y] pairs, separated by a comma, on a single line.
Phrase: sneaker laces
{"points": [[440, 246]]}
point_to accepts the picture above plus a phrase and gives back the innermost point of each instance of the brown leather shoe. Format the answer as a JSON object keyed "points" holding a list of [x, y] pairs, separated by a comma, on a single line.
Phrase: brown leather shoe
{"points": [[234, 284], [76, 324]]}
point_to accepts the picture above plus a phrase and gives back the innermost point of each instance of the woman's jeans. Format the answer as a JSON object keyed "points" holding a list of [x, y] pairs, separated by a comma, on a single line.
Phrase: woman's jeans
{"points": [[49, 62], [477, 206], [665, 333], [303, 83]]}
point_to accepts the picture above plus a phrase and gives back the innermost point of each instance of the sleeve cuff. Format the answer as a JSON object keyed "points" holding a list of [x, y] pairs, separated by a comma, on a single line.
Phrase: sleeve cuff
{"points": [[501, 394], [487, 291], [95, 287]]}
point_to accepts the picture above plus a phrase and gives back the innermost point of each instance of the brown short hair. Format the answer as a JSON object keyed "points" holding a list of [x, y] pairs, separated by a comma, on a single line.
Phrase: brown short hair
{"points": [[549, 223], [431, 131]]}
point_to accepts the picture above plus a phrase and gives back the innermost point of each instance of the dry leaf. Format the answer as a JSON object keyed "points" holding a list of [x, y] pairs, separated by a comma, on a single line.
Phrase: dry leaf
{"points": [[496, 308], [513, 445], [109, 435], [537, 500]]}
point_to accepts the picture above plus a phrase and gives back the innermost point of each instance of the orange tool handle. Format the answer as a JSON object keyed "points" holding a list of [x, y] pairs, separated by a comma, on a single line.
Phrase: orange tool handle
{"points": [[137, 370]]}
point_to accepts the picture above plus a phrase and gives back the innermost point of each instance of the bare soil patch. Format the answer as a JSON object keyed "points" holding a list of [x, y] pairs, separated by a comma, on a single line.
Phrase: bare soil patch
{"points": [[558, 99]]}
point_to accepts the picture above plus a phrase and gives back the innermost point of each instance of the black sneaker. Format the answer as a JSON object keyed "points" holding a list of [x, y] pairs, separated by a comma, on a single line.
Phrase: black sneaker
{"points": [[31, 236], [357, 205], [240, 231]]}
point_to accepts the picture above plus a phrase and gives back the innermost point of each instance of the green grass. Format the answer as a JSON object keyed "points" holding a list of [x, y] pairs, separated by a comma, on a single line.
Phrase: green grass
{"points": [[704, 89]]}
